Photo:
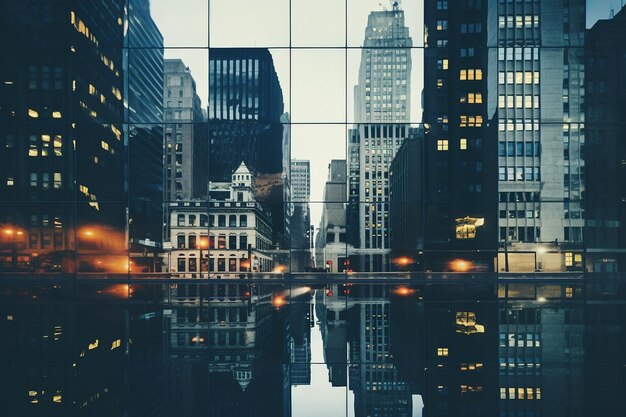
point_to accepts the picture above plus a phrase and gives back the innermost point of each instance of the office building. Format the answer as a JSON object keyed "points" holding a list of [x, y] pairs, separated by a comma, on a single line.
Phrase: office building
{"points": [[245, 109], [383, 92], [605, 148], [503, 102], [62, 155], [186, 152], [331, 247], [144, 131], [300, 180], [382, 109], [406, 205]]}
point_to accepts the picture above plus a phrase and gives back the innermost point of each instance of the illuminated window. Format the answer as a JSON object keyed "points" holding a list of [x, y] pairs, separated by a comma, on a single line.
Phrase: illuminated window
{"points": [[104, 145], [442, 351], [466, 227], [569, 259], [442, 144], [56, 115], [463, 144], [33, 113], [58, 183]]}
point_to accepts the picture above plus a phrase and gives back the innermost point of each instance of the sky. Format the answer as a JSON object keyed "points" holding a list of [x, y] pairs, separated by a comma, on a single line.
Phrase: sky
{"points": [[317, 74]]}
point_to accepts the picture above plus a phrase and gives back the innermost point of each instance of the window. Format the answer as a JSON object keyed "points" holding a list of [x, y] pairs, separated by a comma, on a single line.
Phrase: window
{"points": [[442, 144], [463, 144], [442, 351], [243, 220], [181, 220], [232, 221]]}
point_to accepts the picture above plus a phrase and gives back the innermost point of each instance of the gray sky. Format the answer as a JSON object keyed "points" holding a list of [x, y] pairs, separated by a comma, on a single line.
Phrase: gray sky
{"points": [[318, 75]]}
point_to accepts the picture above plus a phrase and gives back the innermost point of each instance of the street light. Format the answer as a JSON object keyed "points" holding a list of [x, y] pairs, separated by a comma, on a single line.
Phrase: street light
{"points": [[13, 233], [203, 243]]}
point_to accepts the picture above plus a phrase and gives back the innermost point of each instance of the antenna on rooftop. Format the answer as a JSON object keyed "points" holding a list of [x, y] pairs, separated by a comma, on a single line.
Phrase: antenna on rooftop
{"points": [[395, 6]]}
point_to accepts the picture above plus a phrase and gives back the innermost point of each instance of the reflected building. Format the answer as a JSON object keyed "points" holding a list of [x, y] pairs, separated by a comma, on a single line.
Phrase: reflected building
{"points": [[460, 351], [541, 350], [503, 99], [373, 377], [62, 153], [381, 114], [605, 149], [226, 348], [331, 311]]}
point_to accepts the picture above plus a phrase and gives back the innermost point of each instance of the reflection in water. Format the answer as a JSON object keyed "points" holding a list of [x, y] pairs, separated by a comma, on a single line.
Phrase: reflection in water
{"points": [[510, 349]]}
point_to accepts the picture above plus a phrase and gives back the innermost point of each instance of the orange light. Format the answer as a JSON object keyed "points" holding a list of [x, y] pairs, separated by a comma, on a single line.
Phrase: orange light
{"points": [[278, 301], [403, 261], [8, 231], [203, 243], [461, 265], [279, 269], [404, 291]]}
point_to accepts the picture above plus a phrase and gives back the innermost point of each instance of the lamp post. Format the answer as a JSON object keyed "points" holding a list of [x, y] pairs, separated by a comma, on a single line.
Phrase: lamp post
{"points": [[13, 234], [203, 243]]}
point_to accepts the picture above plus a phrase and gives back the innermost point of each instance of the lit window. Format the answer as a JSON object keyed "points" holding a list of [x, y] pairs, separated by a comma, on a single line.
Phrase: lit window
{"points": [[569, 258], [56, 115], [104, 145], [33, 113], [463, 144], [442, 351], [442, 144]]}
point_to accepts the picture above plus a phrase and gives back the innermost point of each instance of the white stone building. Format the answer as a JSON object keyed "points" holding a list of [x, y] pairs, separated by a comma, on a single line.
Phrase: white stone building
{"points": [[225, 233]]}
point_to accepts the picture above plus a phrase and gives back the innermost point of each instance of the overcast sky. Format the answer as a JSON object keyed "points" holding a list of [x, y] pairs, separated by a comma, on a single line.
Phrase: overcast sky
{"points": [[317, 75]]}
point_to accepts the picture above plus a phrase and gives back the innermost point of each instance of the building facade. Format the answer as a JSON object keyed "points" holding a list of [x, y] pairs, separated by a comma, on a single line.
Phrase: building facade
{"points": [[186, 173], [381, 113], [605, 147], [62, 153], [300, 176], [226, 239], [406, 205], [143, 65], [331, 245], [512, 75]]}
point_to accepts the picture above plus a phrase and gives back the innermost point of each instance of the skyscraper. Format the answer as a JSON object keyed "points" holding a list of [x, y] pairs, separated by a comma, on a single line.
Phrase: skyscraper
{"points": [[144, 131], [63, 193], [605, 146], [382, 108], [383, 92], [300, 180], [503, 101], [245, 109], [186, 174], [247, 123]]}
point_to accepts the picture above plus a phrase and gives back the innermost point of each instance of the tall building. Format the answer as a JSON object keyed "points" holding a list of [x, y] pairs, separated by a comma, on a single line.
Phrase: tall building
{"points": [[503, 102], [247, 123], [245, 109], [383, 92], [186, 152], [144, 132], [62, 190], [331, 246], [382, 109], [406, 204], [300, 180], [605, 148]]}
